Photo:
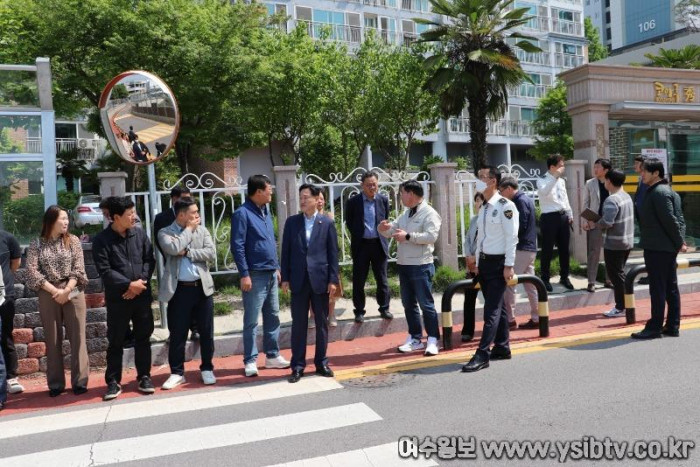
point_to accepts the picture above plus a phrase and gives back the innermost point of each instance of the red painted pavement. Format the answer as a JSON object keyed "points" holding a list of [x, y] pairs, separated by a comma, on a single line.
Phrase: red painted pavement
{"points": [[360, 352]]}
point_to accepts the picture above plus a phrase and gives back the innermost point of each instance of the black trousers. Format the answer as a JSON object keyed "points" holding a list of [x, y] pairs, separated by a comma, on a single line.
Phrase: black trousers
{"points": [[469, 309], [119, 314], [493, 286], [370, 253], [555, 231], [300, 324], [663, 288], [7, 315], [187, 302], [615, 261]]}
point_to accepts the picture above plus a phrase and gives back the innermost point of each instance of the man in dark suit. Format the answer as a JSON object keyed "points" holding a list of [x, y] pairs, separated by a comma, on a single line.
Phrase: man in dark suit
{"points": [[139, 149], [310, 270], [165, 219], [363, 213]]}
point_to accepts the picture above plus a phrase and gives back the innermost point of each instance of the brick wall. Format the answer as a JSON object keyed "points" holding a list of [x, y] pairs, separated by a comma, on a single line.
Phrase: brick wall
{"points": [[29, 332], [619, 148]]}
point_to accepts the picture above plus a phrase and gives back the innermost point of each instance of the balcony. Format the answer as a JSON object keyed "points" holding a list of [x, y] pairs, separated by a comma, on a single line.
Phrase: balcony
{"points": [[377, 3], [89, 153], [536, 58], [516, 128], [419, 6], [567, 27], [529, 90], [336, 32], [568, 61], [537, 23]]}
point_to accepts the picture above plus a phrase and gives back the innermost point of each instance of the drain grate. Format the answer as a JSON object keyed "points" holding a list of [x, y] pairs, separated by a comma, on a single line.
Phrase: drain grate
{"points": [[379, 381]]}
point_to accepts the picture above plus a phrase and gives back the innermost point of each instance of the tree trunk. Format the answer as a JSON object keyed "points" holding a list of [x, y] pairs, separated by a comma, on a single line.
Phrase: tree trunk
{"points": [[477, 132]]}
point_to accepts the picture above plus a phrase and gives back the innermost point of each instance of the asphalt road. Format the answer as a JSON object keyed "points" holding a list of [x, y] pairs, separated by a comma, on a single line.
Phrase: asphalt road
{"points": [[623, 389]]}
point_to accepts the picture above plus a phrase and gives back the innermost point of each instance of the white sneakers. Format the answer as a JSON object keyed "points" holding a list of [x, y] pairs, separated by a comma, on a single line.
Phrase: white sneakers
{"points": [[613, 313], [411, 345], [332, 320], [276, 362], [173, 381], [251, 369], [432, 347], [208, 377], [13, 386]]}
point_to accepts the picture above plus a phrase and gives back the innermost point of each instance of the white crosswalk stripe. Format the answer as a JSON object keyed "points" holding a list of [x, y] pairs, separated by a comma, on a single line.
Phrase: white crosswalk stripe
{"points": [[179, 439], [178, 442], [144, 408], [385, 455]]}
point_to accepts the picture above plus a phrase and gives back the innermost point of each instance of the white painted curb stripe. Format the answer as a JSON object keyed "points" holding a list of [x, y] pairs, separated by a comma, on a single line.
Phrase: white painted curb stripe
{"points": [[197, 439], [153, 407], [385, 455]]}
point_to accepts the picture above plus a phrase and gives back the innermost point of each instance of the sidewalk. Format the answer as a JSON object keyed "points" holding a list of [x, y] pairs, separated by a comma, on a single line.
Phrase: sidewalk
{"points": [[347, 355]]}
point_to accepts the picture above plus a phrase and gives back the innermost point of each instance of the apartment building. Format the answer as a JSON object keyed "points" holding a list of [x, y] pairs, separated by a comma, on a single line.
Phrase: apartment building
{"points": [[557, 26]]}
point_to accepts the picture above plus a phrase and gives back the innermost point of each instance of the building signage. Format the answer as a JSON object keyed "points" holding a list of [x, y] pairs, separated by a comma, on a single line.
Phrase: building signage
{"points": [[657, 153], [674, 93]]}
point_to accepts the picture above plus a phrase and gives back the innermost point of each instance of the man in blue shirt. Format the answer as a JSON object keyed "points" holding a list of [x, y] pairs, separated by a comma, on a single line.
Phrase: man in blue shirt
{"points": [[525, 251], [255, 252]]}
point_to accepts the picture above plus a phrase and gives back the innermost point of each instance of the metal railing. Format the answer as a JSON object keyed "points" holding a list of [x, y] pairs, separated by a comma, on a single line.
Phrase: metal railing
{"points": [[632, 274], [415, 5], [446, 310], [568, 61], [337, 32], [522, 128], [571, 28], [537, 23], [535, 91], [536, 58]]}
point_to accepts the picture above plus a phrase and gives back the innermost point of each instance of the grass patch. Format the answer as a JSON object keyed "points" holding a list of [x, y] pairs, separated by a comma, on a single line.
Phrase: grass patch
{"points": [[222, 308]]}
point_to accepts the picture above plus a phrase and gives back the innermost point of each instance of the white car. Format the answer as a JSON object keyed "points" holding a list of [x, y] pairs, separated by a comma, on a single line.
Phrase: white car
{"points": [[88, 211]]}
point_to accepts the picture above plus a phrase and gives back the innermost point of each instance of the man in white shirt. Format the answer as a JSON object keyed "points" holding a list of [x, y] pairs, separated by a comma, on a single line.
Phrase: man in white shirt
{"points": [[496, 242], [416, 232], [556, 220]]}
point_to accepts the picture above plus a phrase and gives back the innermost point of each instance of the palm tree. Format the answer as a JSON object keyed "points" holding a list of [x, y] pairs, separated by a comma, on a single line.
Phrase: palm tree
{"points": [[474, 64], [687, 57]]}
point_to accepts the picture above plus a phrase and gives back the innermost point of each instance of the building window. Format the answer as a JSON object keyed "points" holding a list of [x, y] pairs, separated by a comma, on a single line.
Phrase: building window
{"points": [[607, 17]]}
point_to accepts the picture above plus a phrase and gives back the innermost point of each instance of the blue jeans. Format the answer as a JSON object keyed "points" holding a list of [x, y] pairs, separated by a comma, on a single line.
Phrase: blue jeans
{"points": [[417, 290], [263, 296], [3, 377]]}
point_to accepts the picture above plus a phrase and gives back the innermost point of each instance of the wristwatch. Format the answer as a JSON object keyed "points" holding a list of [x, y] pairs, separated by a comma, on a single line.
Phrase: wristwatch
{"points": [[408, 236]]}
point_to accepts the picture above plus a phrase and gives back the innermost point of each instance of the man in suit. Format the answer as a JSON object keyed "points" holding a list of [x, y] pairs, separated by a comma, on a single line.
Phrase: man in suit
{"points": [[165, 219], [139, 149], [594, 196], [310, 270], [363, 213]]}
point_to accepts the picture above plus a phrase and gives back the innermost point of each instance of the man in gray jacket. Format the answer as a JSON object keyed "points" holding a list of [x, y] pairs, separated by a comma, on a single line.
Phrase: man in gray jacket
{"points": [[416, 232], [188, 288]]}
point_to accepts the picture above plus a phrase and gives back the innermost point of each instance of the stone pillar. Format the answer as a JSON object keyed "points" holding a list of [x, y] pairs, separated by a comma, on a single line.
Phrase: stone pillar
{"points": [[444, 200], [112, 183], [287, 195], [590, 131], [366, 160], [440, 146], [575, 183]]}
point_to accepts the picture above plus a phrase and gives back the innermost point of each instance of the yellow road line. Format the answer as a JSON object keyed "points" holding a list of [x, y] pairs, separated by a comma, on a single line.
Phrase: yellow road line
{"points": [[517, 349]]}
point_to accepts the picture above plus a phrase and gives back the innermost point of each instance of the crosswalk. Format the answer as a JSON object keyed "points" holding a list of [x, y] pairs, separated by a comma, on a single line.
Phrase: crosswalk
{"points": [[150, 446]]}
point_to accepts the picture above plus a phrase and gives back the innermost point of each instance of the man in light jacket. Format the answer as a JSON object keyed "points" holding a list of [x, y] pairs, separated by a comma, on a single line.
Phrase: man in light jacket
{"points": [[188, 288], [594, 196], [416, 232]]}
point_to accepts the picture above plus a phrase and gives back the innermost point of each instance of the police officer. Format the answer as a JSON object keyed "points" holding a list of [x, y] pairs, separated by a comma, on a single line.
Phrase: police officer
{"points": [[496, 240]]}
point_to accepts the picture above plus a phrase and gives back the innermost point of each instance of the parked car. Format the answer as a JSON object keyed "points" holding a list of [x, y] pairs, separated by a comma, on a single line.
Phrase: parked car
{"points": [[88, 211]]}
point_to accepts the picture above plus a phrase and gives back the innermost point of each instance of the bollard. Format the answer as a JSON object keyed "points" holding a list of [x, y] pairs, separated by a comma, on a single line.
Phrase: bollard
{"points": [[542, 309], [630, 317]]}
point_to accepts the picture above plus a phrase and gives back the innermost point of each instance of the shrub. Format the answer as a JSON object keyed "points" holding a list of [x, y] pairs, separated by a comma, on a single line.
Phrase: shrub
{"points": [[444, 276]]}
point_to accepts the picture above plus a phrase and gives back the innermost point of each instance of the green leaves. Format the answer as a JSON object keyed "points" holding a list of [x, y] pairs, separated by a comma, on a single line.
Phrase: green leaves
{"points": [[553, 125]]}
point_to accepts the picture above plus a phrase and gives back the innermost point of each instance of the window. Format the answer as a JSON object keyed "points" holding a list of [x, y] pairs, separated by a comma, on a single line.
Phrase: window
{"points": [[566, 15], [528, 113], [607, 17]]}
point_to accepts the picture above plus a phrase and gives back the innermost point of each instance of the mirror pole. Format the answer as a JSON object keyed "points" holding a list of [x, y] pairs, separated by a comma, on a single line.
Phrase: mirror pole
{"points": [[153, 196]]}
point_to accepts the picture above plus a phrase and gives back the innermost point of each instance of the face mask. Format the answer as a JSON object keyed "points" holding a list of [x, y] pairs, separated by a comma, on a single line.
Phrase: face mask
{"points": [[480, 185]]}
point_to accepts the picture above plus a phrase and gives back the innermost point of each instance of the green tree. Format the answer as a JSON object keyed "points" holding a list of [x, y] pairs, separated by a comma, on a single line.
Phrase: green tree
{"points": [[71, 166], [552, 125], [596, 50], [120, 92], [204, 50], [474, 62], [688, 13], [688, 57], [403, 106]]}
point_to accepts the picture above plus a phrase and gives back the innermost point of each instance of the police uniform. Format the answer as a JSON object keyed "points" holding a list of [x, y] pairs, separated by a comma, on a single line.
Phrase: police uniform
{"points": [[496, 241]]}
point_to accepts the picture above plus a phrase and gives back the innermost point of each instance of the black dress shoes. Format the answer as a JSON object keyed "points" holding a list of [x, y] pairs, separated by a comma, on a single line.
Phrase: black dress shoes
{"points": [[670, 332], [324, 371], [78, 390], [55, 392], [477, 363], [500, 354], [567, 283], [386, 314], [295, 376], [360, 319], [467, 337], [530, 324], [548, 286], [646, 334]]}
